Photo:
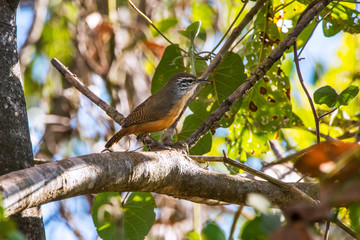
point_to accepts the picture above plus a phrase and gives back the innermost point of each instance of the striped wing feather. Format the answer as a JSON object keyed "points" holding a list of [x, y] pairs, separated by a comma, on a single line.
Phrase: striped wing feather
{"points": [[147, 111]]}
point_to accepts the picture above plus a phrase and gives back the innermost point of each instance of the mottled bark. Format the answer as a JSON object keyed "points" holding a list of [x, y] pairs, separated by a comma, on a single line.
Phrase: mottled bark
{"points": [[166, 172], [15, 145]]}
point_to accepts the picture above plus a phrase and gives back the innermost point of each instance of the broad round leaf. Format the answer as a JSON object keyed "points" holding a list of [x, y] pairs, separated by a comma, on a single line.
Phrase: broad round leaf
{"points": [[170, 64], [139, 215], [326, 95], [107, 215], [132, 221], [346, 96], [213, 232]]}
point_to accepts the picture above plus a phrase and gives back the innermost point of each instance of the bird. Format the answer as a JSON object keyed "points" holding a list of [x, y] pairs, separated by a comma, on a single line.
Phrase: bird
{"points": [[161, 109]]}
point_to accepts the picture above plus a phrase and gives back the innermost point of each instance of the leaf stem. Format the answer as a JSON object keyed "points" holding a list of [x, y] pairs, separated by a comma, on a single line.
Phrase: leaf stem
{"points": [[316, 118], [327, 113]]}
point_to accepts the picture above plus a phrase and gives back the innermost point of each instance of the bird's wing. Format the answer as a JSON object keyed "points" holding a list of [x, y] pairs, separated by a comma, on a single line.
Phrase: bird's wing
{"points": [[147, 111]]}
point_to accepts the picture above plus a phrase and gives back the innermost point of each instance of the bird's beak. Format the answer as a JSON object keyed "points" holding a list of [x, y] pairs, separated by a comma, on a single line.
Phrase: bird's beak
{"points": [[203, 80]]}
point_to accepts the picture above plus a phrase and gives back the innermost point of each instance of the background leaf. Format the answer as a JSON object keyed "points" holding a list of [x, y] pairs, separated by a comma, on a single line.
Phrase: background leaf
{"points": [[132, 221], [108, 218], [212, 231], [260, 227], [139, 215]]}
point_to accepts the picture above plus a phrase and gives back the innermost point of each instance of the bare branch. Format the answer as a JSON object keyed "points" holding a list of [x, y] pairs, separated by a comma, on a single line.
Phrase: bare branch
{"points": [[74, 80], [166, 172]]}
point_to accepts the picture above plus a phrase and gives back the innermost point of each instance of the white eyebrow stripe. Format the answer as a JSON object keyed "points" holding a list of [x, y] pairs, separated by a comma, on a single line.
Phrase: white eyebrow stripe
{"points": [[186, 78]]}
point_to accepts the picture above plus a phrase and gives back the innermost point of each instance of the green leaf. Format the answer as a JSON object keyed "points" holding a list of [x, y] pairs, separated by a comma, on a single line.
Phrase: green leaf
{"points": [[191, 31], [346, 96], [354, 215], [329, 29], [8, 226], [204, 12], [213, 232], [268, 103], [225, 79], [56, 40], [170, 64], [115, 222], [251, 230], [326, 95], [260, 227], [193, 236], [139, 215], [343, 17], [184, 33], [107, 215], [164, 25], [191, 123], [291, 9]]}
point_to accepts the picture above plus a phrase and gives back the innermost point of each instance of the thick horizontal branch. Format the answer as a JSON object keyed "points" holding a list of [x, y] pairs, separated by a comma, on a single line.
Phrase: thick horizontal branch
{"points": [[258, 73], [168, 172]]}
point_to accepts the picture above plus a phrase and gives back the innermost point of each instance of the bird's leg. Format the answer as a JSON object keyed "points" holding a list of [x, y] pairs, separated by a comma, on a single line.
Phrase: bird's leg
{"points": [[154, 144]]}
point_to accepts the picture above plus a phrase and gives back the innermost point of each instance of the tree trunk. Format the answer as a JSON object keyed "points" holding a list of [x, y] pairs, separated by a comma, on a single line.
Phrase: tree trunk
{"points": [[15, 145]]}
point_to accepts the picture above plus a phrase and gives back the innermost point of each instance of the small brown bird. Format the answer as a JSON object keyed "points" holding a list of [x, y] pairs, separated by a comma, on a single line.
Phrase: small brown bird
{"points": [[160, 110]]}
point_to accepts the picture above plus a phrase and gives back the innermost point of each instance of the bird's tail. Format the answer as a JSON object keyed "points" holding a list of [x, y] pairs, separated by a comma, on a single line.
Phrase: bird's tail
{"points": [[115, 138]]}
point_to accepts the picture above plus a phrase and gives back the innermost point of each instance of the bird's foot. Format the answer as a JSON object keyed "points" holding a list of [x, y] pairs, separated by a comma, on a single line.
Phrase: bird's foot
{"points": [[181, 146], [106, 150], [158, 145]]}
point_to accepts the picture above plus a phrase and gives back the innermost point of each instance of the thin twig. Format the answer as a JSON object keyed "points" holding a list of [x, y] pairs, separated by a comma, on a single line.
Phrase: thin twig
{"points": [[316, 118], [255, 172], [317, 23], [326, 235], [327, 137], [341, 225], [149, 21], [74, 80], [282, 185], [204, 159], [242, 38], [327, 113], [307, 40], [236, 218]]}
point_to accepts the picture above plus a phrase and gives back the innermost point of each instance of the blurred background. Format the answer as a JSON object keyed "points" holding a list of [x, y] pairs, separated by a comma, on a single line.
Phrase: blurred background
{"points": [[114, 51]]}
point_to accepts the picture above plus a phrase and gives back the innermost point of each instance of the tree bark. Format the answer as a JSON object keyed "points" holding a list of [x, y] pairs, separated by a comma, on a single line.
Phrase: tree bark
{"points": [[168, 172], [15, 145]]}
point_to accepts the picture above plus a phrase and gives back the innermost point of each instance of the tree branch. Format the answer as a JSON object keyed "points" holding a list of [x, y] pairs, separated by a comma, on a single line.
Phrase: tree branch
{"points": [[74, 80], [166, 172], [258, 73]]}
